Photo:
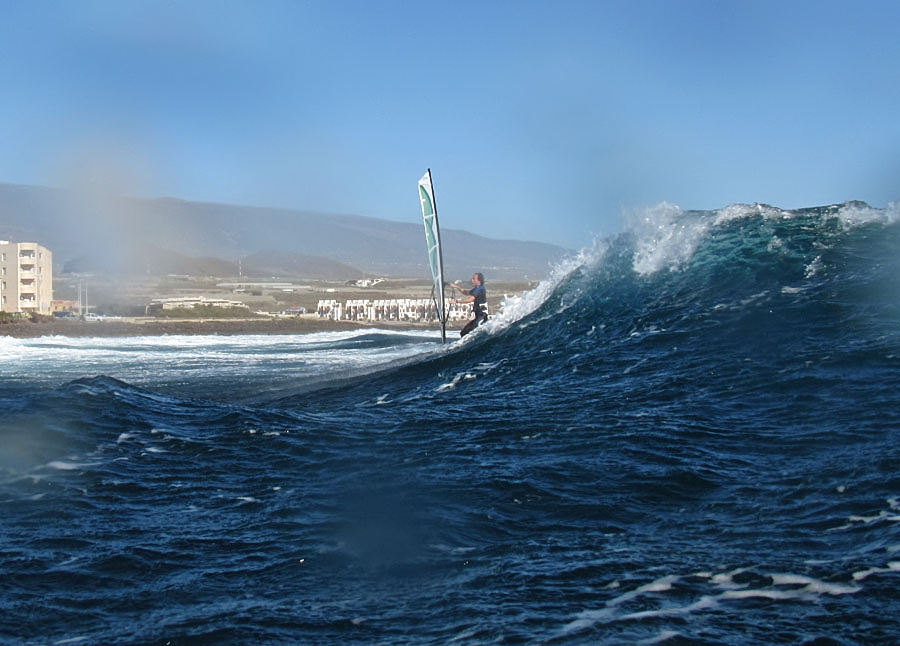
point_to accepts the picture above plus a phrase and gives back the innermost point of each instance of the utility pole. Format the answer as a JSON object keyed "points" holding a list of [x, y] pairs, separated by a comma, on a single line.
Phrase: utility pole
{"points": [[82, 298]]}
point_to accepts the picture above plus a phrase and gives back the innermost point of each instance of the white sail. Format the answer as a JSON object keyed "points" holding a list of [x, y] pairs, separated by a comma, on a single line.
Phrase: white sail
{"points": [[433, 242]]}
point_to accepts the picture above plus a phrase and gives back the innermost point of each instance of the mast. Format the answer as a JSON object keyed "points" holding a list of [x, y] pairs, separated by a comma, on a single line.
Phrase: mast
{"points": [[433, 242], [439, 283]]}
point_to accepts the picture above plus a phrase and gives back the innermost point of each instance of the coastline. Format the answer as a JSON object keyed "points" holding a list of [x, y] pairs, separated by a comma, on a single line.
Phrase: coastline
{"points": [[226, 327]]}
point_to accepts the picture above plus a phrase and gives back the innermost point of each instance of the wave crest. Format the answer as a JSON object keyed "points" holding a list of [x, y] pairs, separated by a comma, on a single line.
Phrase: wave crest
{"points": [[667, 237]]}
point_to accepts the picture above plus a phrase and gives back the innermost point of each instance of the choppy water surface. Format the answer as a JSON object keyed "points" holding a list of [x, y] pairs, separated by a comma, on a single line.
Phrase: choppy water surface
{"points": [[687, 434]]}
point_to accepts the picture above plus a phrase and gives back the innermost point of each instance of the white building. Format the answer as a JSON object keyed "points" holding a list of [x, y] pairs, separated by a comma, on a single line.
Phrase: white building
{"points": [[26, 277], [396, 309], [189, 302]]}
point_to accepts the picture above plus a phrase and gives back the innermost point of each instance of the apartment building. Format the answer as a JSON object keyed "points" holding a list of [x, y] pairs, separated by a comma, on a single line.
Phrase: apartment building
{"points": [[26, 277]]}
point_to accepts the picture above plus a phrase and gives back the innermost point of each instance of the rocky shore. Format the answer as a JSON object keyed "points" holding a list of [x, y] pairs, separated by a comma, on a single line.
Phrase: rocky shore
{"points": [[157, 327]]}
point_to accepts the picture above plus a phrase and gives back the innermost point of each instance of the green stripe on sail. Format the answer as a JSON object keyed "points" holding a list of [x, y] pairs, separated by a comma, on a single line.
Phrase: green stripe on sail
{"points": [[427, 206]]}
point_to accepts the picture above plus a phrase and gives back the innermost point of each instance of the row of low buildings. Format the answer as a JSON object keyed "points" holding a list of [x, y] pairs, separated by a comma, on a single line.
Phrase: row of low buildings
{"points": [[192, 302], [396, 309], [26, 278], [26, 286]]}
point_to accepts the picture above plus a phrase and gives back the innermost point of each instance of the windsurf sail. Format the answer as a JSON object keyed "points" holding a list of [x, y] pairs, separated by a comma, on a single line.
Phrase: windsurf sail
{"points": [[433, 241]]}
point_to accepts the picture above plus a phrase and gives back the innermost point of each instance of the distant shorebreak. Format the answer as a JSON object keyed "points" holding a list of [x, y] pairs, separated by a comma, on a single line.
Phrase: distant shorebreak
{"points": [[159, 327]]}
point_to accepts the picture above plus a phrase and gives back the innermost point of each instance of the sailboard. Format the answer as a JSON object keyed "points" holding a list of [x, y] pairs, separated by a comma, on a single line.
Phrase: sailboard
{"points": [[435, 256]]}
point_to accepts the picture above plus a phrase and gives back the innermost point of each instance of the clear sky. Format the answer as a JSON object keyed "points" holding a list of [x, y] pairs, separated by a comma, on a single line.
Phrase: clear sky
{"points": [[541, 120]]}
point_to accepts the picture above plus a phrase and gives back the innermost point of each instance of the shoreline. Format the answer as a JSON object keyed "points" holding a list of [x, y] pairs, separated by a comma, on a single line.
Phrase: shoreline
{"points": [[225, 327]]}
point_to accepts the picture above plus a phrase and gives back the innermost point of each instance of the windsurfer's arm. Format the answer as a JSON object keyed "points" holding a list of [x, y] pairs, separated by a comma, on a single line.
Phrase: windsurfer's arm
{"points": [[469, 299]]}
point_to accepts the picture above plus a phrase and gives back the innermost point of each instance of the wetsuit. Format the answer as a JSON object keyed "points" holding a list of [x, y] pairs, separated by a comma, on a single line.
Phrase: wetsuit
{"points": [[478, 309]]}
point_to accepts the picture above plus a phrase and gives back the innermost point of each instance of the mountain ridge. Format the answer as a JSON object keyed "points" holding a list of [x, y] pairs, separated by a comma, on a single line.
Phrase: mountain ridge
{"points": [[110, 233]]}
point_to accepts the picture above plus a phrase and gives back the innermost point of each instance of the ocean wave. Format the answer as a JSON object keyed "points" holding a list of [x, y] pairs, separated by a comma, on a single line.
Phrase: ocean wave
{"points": [[686, 433], [666, 237]]}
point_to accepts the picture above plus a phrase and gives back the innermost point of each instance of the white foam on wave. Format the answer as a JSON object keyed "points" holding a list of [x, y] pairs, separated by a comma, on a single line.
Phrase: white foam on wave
{"points": [[667, 237], [466, 635], [739, 211], [850, 214], [11, 347], [810, 584], [885, 515], [855, 214], [455, 381], [515, 308], [474, 373], [782, 587], [663, 636], [61, 465], [814, 267], [892, 566]]}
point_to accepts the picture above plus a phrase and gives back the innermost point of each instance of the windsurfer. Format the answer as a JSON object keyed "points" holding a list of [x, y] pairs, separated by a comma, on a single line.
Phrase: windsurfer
{"points": [[478, 297]]}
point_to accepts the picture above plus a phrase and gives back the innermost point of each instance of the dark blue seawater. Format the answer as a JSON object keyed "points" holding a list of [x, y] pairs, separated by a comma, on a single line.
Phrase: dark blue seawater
{"points": [[690, 434]]}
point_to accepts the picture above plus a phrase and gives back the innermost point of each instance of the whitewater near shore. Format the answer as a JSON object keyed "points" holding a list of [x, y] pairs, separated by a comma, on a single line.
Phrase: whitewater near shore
{"points": [[160, 327]]}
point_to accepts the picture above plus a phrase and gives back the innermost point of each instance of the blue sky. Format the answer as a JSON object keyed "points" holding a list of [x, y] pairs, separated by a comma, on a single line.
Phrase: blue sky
{"points": [[544, 121]]}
